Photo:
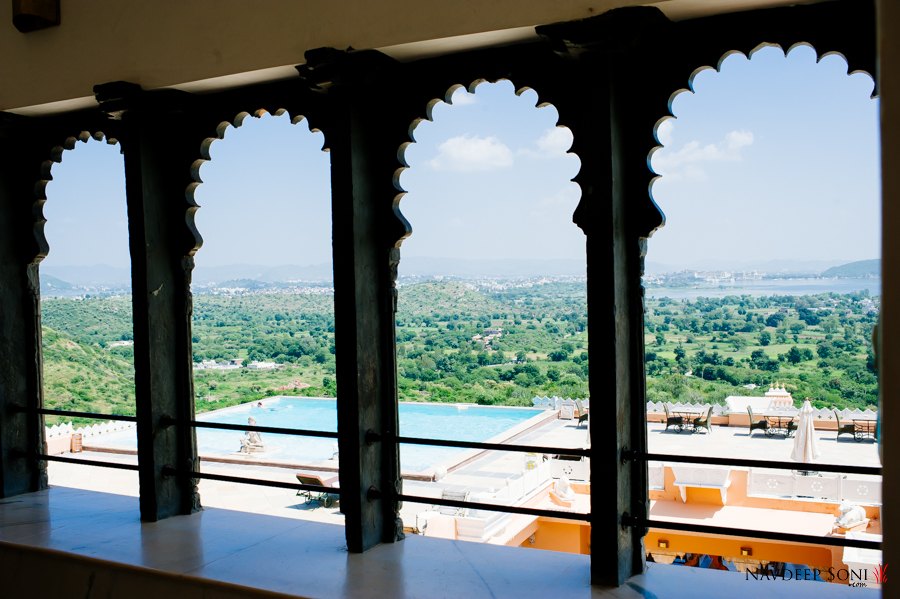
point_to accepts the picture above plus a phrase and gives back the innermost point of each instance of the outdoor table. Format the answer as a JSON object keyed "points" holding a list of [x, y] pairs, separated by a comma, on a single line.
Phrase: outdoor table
{"points": [[864, 428], [687, 417], [778, 423]]}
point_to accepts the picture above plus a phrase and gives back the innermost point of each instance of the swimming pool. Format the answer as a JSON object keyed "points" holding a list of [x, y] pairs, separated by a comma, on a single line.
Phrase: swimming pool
{"points": [[432, 421]]}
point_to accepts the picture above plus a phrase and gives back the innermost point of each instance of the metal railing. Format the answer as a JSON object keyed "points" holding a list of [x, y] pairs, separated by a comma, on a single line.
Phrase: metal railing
{"points": [[169, 471], [73, 414], [261, 482], [641, 522], [748, 463], [276, 430], [635, 521], [373, 437], [84, 462]]}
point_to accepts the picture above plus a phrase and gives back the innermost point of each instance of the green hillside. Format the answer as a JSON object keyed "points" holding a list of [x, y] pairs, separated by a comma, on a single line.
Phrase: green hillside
{"points": [[93, 321], [86, 378], [442, 298], [855, 270], [484, 342]]}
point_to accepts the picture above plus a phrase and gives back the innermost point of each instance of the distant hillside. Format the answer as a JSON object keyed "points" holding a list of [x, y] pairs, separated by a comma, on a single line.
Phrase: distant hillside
{"points": [[855, 270], [444, 298], [489, 267], [206, 275], [96, 275], [51, 285]]}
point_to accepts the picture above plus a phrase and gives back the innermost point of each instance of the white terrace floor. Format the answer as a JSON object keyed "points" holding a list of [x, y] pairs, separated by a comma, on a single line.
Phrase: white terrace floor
{"points": [[735, 442], [488, 471]]}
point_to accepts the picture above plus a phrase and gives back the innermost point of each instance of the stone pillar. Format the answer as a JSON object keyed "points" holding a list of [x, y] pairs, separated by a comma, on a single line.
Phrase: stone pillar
{"points": [[160, 143], [22, 246], [358, 131], [612, 136]]}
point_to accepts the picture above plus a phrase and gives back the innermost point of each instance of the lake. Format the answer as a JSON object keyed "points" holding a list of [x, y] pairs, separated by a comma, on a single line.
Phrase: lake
{"points": [[769, 287]]}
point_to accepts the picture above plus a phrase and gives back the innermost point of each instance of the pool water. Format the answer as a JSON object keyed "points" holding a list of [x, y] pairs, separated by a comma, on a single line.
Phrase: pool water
{"points": [[431, 421]]}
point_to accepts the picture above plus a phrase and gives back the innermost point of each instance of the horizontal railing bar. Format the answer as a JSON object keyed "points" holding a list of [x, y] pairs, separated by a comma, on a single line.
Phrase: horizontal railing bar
{"points": [[114, 465], [276, 430], [494, 446], [838, 468], [753, 534], [493, 507], [252, 481], [94, 415]]}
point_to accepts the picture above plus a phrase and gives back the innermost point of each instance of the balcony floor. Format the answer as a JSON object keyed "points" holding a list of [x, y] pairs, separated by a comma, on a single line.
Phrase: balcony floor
{"points": [[67, 542]]}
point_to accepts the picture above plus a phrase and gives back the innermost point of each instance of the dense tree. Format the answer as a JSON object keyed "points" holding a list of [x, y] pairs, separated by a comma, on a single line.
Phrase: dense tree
{"points": [[542, 349]]}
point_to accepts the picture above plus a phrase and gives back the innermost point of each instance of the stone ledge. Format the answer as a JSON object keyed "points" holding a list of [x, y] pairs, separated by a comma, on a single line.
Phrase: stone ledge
{"points": [[66, 542]]}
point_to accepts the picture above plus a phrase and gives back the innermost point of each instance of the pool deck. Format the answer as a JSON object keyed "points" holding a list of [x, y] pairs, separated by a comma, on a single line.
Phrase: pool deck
{"points": [[735, 442], [484, 473]]}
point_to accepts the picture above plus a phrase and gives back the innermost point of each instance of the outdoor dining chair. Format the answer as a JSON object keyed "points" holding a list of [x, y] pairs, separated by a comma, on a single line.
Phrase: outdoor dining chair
{"points": [[701, 422], [582, 412], [762, 425], [672, 420], [846, 429]]}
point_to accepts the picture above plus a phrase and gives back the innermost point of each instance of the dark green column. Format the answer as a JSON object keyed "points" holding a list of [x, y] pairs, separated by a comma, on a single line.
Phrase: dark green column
{"points": [[360, 132], [22, 246], [160, 145]]}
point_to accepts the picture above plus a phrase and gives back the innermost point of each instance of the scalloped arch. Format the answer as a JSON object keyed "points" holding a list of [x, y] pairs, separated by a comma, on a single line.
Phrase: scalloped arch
{"points": [[718, 69], [40, 189], [429, 108], [205, 157]]}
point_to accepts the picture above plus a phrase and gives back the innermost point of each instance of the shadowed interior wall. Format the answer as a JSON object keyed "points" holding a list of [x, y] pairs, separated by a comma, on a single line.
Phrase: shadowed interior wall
{"points": [[171, 42]]}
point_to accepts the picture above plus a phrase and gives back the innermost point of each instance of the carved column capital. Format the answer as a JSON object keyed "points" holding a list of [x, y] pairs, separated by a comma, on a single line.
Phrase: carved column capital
{"points": [[326, 68], [616, 31]]}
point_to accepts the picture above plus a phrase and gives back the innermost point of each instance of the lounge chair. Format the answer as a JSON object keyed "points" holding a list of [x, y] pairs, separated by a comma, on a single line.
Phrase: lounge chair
{"points": [[701, 422], [677, 421], [314, 478], [762, 425], [849, 429], [582, 412], [456, 495]]}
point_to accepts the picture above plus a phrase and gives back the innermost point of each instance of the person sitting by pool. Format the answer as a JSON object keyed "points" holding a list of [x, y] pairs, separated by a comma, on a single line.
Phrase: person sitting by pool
{"points": [[251, 442]]}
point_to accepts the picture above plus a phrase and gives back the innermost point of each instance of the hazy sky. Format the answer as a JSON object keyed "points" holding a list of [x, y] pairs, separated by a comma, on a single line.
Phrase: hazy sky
{"points": [[772, 158]]}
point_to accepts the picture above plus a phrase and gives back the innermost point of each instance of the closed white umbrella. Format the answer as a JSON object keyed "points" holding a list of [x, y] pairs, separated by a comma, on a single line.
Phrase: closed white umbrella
{"points": [[805, 449]]}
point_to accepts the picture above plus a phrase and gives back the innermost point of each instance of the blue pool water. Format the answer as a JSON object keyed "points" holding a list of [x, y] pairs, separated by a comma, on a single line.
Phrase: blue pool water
{"points": [[431, 421]]}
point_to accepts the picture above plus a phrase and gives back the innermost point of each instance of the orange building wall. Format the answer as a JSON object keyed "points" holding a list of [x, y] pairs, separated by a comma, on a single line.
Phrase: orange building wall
{"points": [[814, 556], [555, 535]]}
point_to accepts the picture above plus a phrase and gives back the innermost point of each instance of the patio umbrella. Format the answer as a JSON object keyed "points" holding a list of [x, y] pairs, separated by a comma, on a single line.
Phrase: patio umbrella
{"points": [[805, 449]]}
